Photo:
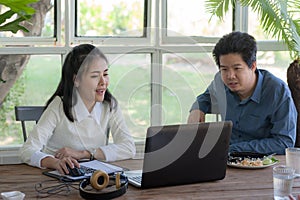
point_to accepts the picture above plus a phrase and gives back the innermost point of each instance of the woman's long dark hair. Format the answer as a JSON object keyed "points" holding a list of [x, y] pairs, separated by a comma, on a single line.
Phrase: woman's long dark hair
{"points": [[71, 66]]}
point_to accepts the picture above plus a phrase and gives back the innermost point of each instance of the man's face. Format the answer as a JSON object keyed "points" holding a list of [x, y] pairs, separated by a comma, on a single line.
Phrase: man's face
{"points": [[237, 76]]}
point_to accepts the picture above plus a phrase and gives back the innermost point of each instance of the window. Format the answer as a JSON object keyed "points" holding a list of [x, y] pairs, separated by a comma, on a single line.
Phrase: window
{"points": [[120, 21], [37, 82], [159, 53], [188, 22], [190, 19], [110, 18], [130, 84], [276, 62], [255, 28], [184, 76]]}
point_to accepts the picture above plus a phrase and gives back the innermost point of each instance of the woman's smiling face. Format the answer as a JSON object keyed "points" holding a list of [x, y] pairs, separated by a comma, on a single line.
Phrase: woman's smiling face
{"points": [[93, 82]]}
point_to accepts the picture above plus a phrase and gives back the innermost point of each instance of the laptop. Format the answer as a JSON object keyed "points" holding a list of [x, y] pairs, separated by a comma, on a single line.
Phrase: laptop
{"points": [[183, 154]]}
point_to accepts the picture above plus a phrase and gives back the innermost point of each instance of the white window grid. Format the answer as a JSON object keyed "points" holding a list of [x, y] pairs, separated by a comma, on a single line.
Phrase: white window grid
{"points": [[155, 43]]}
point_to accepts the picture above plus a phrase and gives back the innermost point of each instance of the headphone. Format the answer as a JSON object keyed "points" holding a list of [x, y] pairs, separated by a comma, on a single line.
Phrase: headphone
{"points": [[101, 185]]}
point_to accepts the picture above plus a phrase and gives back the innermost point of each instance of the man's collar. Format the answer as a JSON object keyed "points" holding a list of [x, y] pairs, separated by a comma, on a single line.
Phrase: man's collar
{"points": [[258, 88]]}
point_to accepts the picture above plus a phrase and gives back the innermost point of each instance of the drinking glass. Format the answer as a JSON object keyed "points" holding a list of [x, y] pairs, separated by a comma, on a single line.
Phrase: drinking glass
{"points": [[292, 156], [283, 178]]}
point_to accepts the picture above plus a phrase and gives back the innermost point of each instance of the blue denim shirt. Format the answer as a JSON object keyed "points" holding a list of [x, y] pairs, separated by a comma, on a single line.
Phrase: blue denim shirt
{"points": [[265, 122]]}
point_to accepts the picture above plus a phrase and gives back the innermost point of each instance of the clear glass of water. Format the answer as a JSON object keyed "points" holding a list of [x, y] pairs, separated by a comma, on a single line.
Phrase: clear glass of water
{"points": [[292, 155], [283, 178]]}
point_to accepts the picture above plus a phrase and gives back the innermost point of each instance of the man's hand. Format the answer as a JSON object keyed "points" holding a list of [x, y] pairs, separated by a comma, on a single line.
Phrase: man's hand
{"points": [[196, 116]]}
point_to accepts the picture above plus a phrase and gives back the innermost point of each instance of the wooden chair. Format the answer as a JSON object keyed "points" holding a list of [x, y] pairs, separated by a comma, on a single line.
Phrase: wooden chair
{"points": [[28, 113]]}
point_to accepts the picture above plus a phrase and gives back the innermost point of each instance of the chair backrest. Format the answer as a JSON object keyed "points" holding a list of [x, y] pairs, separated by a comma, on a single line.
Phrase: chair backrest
{"points": [[28, 113]]}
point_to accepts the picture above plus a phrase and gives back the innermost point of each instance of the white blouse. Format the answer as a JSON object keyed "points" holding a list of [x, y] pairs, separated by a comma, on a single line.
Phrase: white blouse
{"points": [[54, 131]]}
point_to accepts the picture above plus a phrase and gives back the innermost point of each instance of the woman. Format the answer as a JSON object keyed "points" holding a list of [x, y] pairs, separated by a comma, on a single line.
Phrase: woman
{"points": [[77, 117]]}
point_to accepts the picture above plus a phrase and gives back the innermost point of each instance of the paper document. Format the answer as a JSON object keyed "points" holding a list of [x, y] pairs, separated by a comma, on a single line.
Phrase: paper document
{"points": [[98, 165]]}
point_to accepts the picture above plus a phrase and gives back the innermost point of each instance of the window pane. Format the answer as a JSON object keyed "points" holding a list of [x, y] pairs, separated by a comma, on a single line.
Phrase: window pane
{"points": [[42, 75], [185, 76], [110, 18], [47, 29], [254, 27], [130, 84], [276, 62], [190, 18], [36, 84]]}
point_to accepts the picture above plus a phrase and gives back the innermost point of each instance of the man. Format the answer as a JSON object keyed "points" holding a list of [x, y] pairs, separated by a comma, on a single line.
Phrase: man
{"points": [[259, 104]]}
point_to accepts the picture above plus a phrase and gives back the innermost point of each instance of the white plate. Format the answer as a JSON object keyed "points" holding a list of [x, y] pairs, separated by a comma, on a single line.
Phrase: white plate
{"points": [[231, 164]]}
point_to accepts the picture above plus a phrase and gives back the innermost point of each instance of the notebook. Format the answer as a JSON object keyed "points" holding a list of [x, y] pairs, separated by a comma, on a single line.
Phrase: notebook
{"points": [[88, 167], [183, 154]]}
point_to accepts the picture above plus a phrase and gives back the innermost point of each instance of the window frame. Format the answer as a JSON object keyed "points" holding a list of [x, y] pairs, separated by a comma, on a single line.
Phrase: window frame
{"points": [[156, 43], [180, 39], [111, 40]]}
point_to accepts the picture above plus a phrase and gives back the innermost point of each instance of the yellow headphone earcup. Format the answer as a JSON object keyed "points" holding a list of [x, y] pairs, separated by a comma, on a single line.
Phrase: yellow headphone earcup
{"points": [[95, 177], [118, 180]]}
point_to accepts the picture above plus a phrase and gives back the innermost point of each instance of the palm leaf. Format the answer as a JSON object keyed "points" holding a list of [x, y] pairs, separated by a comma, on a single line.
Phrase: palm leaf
{"points": [[219, 8], [277, 21], [276, 18]]}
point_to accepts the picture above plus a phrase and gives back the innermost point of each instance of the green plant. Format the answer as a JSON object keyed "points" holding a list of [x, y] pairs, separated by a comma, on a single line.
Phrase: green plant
{"points": [[277, 18], [8, 22]]}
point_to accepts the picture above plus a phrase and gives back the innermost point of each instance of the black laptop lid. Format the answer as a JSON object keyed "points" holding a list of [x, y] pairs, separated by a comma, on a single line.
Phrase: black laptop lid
{"points": [[186, 153]]}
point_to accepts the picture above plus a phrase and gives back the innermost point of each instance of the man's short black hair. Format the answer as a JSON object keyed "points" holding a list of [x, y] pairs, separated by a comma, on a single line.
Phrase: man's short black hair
{"points": [[239, 43]]}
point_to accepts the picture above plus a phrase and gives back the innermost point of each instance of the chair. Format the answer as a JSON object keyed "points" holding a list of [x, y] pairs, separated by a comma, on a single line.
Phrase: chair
{"points": [[28, 113]]}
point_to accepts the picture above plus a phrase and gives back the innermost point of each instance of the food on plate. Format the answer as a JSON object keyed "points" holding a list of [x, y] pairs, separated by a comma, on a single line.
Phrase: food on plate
{"points": [[251, 162], [254, 162], [267, 161]]}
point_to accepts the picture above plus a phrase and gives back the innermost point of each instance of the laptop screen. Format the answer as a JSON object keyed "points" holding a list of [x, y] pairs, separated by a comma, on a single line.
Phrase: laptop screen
{"points": [[185, 153]]}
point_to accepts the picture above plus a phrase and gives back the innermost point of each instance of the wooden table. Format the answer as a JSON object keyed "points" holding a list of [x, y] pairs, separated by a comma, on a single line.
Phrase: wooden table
{"points": [[238, 184]]}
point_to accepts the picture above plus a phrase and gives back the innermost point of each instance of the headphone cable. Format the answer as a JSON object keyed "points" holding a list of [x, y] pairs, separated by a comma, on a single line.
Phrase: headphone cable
{"points": [[55, 187]]}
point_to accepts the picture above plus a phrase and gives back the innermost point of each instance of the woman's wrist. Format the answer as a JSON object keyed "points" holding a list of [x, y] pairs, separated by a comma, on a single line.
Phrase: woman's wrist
{"points": [[92, 154], [98, 154], [95, 154], [86, 154], [49, 162]]}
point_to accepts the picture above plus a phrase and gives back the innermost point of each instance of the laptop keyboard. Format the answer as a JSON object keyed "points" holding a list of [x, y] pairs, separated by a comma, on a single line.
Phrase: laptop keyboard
{"points": [[136, 178], [87, 170]]}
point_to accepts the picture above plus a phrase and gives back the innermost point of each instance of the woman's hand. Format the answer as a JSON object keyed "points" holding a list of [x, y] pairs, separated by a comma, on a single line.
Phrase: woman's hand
{"points": [[69, 152], [60, 164]]}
